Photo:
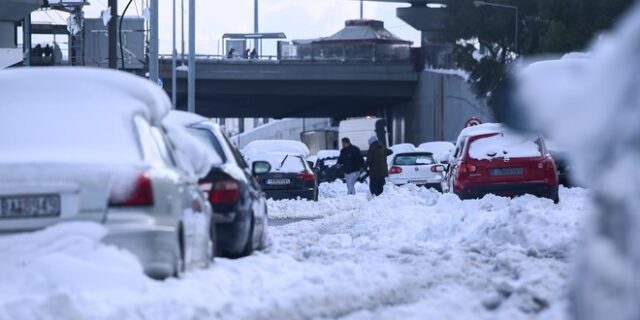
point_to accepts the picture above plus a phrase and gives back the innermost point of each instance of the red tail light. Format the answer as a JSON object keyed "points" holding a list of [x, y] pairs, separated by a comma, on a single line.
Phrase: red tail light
{"points": [[224, 192], [306, 176], [141, 196], [467, 168], [395, 170]]}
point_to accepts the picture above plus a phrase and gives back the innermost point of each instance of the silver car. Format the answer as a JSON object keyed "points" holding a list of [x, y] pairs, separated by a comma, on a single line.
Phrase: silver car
{"points": [[90, 146]]}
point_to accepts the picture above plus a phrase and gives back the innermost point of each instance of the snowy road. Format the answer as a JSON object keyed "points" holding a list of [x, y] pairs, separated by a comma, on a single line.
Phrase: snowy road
{"points": [[411, 253]]}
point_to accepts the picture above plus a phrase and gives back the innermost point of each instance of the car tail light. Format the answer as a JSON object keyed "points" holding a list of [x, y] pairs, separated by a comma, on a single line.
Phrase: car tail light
{"points": [[437, 169], [395, 170], [305, 176], [140, 196], [467, 168], [224, 192]]}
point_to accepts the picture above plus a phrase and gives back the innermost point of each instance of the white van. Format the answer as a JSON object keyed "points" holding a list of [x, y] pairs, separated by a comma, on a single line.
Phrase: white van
{"points": [[361, 129]]}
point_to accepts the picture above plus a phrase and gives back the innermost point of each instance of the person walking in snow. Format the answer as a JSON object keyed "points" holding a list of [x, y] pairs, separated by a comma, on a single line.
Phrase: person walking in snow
{"points": [[377, 166], [351, 161]]}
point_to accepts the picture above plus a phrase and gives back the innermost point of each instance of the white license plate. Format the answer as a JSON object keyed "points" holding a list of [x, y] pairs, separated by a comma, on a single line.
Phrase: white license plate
{"points": [[418, 181], [278, 182], [30, 206]]}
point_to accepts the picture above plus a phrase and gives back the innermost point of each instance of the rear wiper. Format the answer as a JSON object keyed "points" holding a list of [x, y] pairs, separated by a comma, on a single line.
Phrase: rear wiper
{"points": [[282, 163]]}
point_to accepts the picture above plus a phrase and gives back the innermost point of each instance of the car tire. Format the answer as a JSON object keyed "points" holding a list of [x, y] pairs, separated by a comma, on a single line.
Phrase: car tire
{"points": [[248, 248]]}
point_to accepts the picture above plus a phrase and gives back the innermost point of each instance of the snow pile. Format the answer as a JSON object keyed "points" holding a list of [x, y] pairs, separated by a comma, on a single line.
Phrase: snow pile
{"points": [[592, 107], [56, 273], [325, 154], [457, 72]]}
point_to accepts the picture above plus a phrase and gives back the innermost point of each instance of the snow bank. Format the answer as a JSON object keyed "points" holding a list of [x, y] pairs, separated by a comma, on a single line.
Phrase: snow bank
{"points": [[457, 72], [324, 154]]}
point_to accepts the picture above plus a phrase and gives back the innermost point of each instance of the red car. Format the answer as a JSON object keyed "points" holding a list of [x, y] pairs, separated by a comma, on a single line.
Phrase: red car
{"points": [[501, 163]]}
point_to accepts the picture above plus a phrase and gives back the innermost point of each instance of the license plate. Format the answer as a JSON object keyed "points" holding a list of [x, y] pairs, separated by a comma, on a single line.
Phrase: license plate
{"points": [[278, 182], [30, 206], [507, 172], [418, 181]]}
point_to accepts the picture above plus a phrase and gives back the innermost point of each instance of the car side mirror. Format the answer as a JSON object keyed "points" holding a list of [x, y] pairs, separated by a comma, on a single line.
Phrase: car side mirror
{"points": [[260, 167], [438, 168], [311, 164]]}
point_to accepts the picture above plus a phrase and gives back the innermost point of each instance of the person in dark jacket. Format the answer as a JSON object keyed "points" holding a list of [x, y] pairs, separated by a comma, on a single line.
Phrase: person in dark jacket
{"points": [[352, 162], [377, 166]]}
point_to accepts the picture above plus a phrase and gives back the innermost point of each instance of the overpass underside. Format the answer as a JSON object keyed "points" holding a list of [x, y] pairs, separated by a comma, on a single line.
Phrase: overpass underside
{"points": [[296, 90]]}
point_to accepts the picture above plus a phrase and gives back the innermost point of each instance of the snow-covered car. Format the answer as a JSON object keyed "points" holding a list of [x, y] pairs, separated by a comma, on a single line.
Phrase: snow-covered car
{"points": [[325, 166], [285, 146], [419, 168], [239, 207], [101, 154], [441, 150], [285, 176], [491, 159]]}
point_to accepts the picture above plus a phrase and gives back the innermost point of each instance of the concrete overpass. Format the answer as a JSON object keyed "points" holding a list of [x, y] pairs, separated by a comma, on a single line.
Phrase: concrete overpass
{"points": [[279, 89]]}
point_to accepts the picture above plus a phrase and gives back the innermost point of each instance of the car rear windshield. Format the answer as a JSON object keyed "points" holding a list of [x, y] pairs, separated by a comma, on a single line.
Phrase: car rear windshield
{"points": [[209, 139], [414, 159], [505, 145]]}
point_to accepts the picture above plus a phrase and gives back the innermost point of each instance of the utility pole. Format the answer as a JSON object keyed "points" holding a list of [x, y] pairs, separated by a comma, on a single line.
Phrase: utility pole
{"points": [[174, 64], [256, 27], [113, 35], [182, 36], [191, 96], [361, 9], [26, 40], [153, 42]]}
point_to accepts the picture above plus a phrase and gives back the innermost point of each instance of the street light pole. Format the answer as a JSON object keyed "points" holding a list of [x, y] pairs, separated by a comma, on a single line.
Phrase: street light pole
{"points": [[361, 9], [256, 26], [491, 4], [191, 95], [174, 64], [153, 42]]}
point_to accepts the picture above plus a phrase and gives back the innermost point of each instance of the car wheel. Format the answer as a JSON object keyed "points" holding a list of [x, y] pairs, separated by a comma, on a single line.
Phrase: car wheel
{"points": [[248, 248]]}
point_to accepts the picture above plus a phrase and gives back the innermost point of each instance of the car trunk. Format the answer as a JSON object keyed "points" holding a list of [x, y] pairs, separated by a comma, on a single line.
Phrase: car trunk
{"points": [[505, 170], [36, 195]]}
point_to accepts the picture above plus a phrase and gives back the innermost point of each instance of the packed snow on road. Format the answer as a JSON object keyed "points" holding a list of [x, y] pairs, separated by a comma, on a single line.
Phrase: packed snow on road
{"points": [[411, 253]]}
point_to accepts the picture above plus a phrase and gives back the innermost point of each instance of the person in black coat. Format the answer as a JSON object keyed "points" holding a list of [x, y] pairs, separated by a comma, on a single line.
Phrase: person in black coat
{"points": [[352, 162], [377, 166]]}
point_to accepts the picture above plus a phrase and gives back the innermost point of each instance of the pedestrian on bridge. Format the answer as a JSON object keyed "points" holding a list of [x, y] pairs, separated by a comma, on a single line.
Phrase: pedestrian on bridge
{"points": [[377, 165], [352, 162], [254, 54]]}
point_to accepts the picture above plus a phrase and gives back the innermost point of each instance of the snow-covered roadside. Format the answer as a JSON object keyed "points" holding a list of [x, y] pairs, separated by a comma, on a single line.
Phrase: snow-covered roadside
{"points": [[411, 253]]}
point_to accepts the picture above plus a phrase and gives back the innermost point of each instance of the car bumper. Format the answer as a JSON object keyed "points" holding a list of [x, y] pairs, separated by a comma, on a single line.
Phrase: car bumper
{"points": [[232, 236], [308, 194], [155, 246], [435, 184], [542, 190]]}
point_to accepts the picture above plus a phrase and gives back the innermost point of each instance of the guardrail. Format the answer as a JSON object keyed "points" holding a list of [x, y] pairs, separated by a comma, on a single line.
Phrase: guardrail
{"points": [[270, 59]]}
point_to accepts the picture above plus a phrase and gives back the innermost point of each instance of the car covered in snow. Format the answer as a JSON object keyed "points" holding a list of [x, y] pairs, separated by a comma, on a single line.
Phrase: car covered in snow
{"points": [[441, 150], [287, 146], [102, 154], [410, 165], [325, 166], [285, 176], [491, 159], [239, 207]]}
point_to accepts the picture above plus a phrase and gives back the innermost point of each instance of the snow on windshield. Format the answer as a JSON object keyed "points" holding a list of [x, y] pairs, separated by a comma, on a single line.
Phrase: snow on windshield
{"points": [[281, 162], [413, 159], [504, 145]]}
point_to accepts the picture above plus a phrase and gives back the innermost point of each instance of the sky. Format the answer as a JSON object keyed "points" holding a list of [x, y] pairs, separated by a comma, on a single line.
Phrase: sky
{"points": [[298, 19]]}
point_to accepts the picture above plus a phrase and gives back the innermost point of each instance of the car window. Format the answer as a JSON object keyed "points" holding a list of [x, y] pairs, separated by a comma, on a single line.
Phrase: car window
{"points": [[163, 147], [414, 160], [505, 145], [148, 145], [236, 154], [209, 139]]}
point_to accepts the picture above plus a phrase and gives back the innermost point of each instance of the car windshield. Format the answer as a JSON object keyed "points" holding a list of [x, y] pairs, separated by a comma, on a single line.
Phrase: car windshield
{"points": [[505, 145], [414, 159]]}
